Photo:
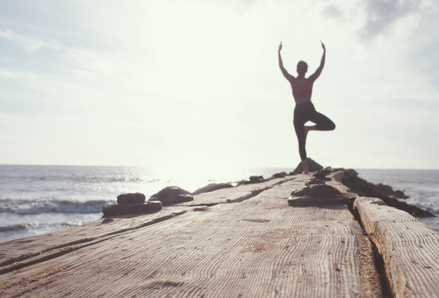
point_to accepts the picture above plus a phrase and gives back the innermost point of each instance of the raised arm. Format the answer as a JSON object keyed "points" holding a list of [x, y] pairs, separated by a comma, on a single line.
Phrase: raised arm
{"points": [[281, 66], [315, 75]]}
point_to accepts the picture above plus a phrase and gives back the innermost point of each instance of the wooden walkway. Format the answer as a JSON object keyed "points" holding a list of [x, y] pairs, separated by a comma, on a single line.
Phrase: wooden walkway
{"points": [[244, 241]]}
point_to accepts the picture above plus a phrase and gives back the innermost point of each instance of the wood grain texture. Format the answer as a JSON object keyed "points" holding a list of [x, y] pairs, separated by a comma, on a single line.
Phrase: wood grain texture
{"points": [[256, 247], [409, 248], [38, 246]]}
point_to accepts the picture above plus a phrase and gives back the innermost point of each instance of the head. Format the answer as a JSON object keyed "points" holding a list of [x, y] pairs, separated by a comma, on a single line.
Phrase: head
{"points": [[302, 67]]}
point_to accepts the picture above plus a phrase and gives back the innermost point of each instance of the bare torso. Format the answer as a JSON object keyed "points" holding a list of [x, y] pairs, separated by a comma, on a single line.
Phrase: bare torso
{"points": [[302, 89]]}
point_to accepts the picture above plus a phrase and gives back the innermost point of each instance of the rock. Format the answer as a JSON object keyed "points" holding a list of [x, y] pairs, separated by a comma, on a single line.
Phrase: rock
{"points": [[298, 193], [383, 192], [256, 179], [314, 181], [131, 198], [400, 194], [418, 212], [318, 202], [351, 173], [327, 170], [312, 167], [118, 210], [322, 190], [317, 190], [166, 201], [279, 175], [338, 175], [364, 188], [170, 191], [242, 182], [319, 175], [322, 173], [212, 187], [172, 195]]}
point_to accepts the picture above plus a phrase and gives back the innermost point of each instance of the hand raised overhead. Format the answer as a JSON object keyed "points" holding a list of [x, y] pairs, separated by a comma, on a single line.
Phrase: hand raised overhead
{"points": [[280, 47]]}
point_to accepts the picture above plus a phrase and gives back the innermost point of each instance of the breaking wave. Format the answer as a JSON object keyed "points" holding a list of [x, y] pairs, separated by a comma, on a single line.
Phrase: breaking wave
{"points": [[26, 226], [26, 206]]}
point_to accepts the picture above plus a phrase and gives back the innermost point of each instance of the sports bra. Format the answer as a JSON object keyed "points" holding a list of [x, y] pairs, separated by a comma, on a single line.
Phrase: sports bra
{"points": [[297, 93]]}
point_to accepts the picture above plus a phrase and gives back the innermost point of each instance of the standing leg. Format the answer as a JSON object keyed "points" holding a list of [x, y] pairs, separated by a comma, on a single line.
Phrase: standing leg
{"points": [[322, 123], [299, 125]]}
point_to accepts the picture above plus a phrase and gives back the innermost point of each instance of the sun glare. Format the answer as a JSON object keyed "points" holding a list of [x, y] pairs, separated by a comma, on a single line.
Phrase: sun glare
{"points": [[201, 46]]}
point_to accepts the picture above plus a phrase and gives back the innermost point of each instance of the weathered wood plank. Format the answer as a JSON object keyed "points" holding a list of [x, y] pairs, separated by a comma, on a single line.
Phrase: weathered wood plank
{"points": [[32, 248], [259, 247], [409, 248]]}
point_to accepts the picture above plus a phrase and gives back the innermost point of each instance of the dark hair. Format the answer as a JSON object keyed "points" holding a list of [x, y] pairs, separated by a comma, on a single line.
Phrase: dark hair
{"points": [[302, 67]]}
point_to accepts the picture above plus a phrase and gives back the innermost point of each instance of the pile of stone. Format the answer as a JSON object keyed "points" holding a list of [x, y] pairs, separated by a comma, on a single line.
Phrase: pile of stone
{"points": [[367, 189], [316, 190], [260, 179], [384, 192], [135, 203], [312, 167], [131, 203]]}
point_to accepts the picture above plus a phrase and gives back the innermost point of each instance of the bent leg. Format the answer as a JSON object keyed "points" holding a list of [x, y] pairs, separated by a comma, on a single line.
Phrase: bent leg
{"points": [[322, 122]]}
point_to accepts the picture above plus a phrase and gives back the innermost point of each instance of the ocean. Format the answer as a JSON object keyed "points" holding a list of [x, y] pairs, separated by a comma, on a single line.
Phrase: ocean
{"points": [[41, 199], [422, 187]]}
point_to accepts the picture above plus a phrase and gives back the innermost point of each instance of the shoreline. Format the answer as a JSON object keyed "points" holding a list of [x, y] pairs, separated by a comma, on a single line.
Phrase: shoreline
{"points": [[32, 220]]}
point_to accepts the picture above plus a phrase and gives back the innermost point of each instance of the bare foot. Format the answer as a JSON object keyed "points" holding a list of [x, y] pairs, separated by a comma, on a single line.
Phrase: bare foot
{"points": [[305, 166]]}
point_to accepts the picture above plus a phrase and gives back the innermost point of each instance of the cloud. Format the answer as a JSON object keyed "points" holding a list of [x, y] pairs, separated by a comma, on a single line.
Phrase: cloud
{"points": [[30, 44], [382, 15], [373, 18], [332, 11]]}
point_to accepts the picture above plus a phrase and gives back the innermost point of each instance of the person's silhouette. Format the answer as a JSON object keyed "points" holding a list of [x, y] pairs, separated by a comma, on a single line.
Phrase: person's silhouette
{"points": [[304, 110]]}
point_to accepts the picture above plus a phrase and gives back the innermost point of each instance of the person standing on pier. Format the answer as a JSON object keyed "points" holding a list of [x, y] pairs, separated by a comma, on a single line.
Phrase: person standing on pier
{"points": [[304, 110]]}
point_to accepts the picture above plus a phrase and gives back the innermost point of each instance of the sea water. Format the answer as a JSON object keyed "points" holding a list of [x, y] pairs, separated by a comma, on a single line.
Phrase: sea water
{"points": [[422, 187], [42, 199]]}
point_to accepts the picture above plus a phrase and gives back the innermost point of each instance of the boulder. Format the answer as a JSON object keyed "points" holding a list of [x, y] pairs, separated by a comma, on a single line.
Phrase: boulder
{"points": [[338, 175], [322, 173], [312, 167], [131, 198], [322, 191], [384, 192], [319, 175], [317, 190], [279, 175], [172, 195], [364, 188], [326, 171], [212, 187], [256, 179], [351, 173], [118, 210]]}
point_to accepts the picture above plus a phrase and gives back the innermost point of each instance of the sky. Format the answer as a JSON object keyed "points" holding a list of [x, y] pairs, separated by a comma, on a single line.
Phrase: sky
{"points": [[189, 83]]}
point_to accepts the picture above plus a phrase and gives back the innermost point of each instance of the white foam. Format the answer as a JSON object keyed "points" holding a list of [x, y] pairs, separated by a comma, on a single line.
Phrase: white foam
{"points": [[24, 206]]}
